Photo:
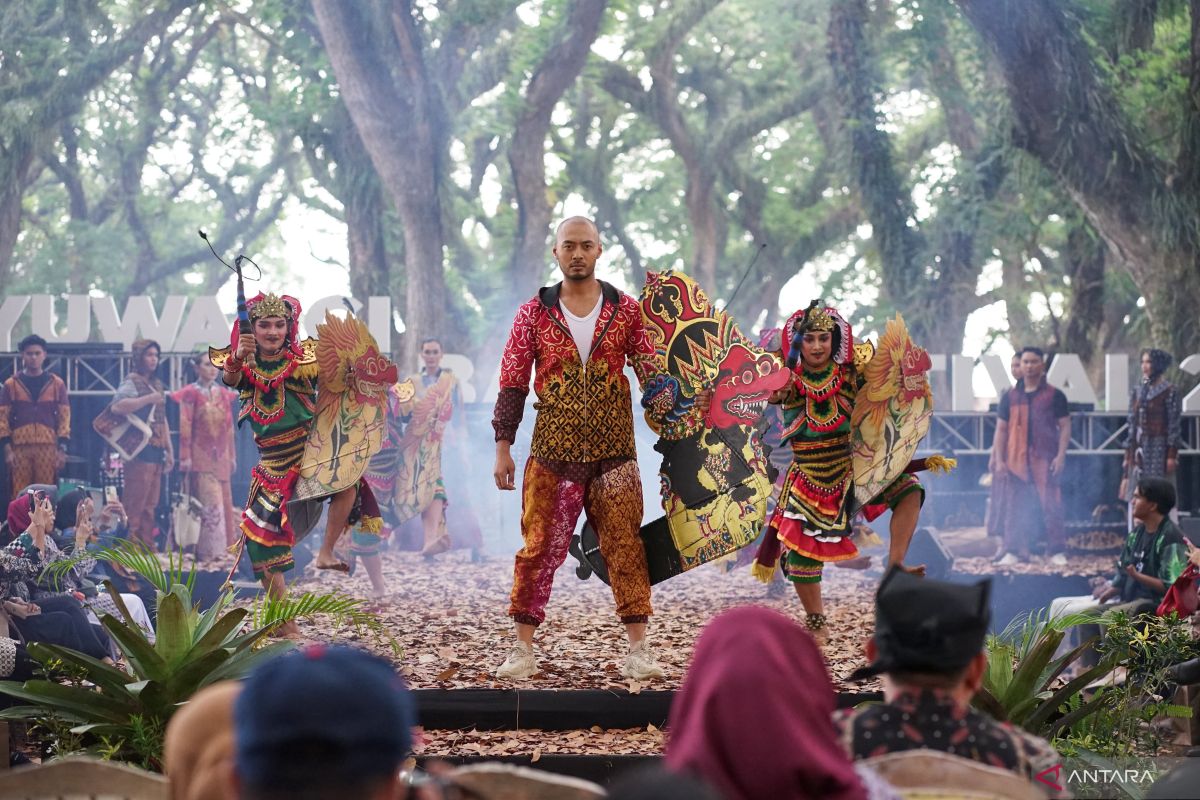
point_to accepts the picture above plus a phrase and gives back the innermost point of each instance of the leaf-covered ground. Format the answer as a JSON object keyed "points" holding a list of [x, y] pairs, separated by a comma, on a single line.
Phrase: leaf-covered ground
{"points": [[448, 616]]}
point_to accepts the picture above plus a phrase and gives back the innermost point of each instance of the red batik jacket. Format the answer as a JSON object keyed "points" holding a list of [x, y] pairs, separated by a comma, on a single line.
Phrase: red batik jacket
{"points": [[584, 413]]}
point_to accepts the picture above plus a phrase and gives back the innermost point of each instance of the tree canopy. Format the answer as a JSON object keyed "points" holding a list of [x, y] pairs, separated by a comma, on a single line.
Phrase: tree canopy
{"points": [[1026, 168]]}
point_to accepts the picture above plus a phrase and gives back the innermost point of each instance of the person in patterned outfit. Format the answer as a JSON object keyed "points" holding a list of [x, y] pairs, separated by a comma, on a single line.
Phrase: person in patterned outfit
{"points": [[929, 645], [206, 454], [35, 419], [275, 374], [811, 523], [142, 394], [575, 337], [1152, 446]]}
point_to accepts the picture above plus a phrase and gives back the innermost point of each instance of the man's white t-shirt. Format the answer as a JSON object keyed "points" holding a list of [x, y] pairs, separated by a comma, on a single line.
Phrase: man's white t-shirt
{"points": [[583, 328]]}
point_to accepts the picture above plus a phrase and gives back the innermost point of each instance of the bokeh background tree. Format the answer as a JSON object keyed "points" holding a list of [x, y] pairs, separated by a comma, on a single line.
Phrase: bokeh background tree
{"points": [[1000, 171]]}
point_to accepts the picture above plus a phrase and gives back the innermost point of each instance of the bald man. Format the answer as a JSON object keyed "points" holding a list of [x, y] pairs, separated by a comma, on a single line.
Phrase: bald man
{"points": [[575, 338]]}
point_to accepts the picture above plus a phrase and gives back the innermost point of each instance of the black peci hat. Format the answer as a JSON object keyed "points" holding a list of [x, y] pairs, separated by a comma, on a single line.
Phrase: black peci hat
{"points": [[927, 626]]}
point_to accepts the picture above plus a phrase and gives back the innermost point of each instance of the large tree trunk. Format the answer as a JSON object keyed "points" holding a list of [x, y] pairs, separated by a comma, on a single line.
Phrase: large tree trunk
{"points": [[1070, 121], [1084, 261], [700, 199], [12, 189], [400, 120], [885, 199], [559, 68]]}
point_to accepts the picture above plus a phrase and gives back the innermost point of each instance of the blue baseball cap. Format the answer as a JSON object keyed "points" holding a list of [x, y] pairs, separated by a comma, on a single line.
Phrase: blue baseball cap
{"points": [[336, 713]]}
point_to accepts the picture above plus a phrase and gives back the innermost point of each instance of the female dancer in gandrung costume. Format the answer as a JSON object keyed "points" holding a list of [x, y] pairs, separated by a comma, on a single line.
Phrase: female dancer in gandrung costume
{"points": [[811, 523]]}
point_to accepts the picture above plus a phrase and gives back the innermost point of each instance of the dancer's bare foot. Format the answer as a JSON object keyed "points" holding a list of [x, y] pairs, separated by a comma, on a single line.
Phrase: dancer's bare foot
{"points": [[377, 602], [327, 560], [918, 570], [862, 562], [436, 547]]}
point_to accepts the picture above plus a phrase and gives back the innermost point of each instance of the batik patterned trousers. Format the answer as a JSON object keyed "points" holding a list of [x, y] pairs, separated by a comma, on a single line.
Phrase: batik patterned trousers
{"points": [[33, 463], [550, 506]]}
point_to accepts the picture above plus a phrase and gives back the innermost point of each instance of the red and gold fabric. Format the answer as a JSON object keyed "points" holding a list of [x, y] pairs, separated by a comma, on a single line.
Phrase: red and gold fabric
{"points": [[419, 469], [206, 445], [550, 510], [811, 523], [582, 414]]}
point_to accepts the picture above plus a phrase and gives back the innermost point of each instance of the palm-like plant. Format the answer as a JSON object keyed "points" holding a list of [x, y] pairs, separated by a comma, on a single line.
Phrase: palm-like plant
{"points": [[1018, 686], [111, 709]]}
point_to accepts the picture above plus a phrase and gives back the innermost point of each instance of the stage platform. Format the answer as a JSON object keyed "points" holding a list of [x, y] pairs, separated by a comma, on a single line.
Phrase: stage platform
{"points": [[578, 715]]}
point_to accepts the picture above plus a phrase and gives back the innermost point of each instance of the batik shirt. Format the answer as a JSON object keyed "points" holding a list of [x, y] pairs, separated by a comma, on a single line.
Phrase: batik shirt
{"points": [[932, 720], [584, 412], [34, 410]]}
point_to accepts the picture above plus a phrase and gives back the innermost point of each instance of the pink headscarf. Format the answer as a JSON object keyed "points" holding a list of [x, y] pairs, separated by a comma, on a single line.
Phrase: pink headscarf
{"points": [[19, 515], [753, 716]]}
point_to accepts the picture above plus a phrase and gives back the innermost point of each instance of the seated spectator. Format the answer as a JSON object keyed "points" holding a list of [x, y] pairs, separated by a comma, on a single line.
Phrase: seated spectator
{"points": [[929, 647], [76, 532], [327, 722], [1155, 553], [198, 748], [753, 717], [58, 620]]}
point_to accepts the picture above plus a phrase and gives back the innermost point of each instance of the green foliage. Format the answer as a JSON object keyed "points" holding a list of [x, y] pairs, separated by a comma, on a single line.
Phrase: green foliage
{"points": [[1021, 682], [122, 712], [1102, 712], [233, 115]]}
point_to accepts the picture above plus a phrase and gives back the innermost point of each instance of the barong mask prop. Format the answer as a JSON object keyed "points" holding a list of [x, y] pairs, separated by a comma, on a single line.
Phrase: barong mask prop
{"points": [[892, 411], [714, 473], [699, 346]]}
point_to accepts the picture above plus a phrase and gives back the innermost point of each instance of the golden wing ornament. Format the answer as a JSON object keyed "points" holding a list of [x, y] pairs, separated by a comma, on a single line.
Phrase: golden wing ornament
{"points": [[892, 411], [351, 415]]}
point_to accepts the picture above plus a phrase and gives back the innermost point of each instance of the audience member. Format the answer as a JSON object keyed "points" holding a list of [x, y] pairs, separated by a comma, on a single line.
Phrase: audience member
{"points": [[143, 396], [1028, 455], [753, 717], [1152, 444], [929, 647], [35, 419], [199, 746], [58, 620], [327, 722], [74, 515], [1154, 555]]}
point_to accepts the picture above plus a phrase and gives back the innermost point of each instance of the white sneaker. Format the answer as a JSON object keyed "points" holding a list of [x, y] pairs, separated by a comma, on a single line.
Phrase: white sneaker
{"points": [[1008, 560], [640, 664], [1058, 560], [520, 663]]}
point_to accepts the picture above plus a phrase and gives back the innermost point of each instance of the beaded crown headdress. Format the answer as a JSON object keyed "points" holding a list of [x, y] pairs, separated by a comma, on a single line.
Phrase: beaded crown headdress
{"points": [[819, 320], [270, 306]]}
